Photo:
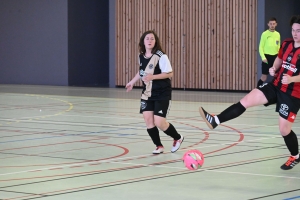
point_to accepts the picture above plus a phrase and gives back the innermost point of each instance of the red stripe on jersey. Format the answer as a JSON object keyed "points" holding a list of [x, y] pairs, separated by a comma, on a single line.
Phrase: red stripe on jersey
{"points": [[277, 80], [289, 56], [296, 91], [280, 53]]}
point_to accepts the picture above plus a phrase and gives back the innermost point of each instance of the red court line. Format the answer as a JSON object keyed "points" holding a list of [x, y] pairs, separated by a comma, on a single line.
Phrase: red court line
{"points": [[158, 163], [135, 179], [83, 162], [240, 139], [206, 137], [51, 152]]}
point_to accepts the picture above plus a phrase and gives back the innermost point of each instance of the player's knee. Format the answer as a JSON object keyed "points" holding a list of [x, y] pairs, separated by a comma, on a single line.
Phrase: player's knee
{"points": [[246, 102], [284, 130], [162, 124], [149, 121]]}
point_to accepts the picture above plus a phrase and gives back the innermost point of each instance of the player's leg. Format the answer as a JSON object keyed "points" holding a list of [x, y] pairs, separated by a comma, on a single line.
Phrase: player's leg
{"points": [[160, 112], [147, 109], [288, 108], [291, 141], [254, 98]]}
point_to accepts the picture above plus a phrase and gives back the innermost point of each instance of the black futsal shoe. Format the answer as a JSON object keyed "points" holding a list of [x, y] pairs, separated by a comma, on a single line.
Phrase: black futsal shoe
{"points": [[290, 163], [208, 118]]}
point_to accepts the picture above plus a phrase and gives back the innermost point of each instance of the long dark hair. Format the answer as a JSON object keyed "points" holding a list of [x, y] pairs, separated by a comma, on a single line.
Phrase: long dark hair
{"points": [[156, 47]]}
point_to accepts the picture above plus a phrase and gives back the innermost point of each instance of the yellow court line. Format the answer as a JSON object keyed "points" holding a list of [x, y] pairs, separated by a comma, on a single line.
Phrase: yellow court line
{"points": [[45, 116]]}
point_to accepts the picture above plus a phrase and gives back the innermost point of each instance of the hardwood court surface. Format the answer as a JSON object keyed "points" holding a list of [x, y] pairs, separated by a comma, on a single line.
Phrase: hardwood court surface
{"points": [[76, 143]]}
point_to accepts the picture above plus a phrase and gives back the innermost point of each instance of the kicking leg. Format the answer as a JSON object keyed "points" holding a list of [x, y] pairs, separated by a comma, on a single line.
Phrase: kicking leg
{"points": [[254, 98]]}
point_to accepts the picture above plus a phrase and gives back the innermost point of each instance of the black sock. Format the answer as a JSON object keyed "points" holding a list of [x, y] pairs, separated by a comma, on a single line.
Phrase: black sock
{"points": [[231, 112], [291, 142], [171, 131], [260, 82], [154, 134]]}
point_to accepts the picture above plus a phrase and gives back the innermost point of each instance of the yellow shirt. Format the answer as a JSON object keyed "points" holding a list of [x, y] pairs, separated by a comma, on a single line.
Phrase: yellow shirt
{"points": [[269, 43]]}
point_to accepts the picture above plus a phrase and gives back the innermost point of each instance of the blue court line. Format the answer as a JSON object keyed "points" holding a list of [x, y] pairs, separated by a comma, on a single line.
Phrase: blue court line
{"points": [[29, 139], [124, 134], [40, 138], [297, 197]]}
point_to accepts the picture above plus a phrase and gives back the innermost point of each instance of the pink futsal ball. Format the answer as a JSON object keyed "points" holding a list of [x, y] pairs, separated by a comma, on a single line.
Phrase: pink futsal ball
{"points": [[193, 159]]}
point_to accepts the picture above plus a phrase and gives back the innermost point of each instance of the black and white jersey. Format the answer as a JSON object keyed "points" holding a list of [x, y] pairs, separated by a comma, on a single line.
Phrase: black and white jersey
{"points": [[157, 89]]}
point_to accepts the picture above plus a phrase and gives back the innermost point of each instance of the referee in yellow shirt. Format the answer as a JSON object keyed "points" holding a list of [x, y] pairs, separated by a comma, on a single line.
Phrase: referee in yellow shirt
{"points": [[268, 49]]}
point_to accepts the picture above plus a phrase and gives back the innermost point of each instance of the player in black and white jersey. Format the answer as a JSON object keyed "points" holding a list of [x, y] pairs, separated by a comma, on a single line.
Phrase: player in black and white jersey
{"points": [[155, 72]]}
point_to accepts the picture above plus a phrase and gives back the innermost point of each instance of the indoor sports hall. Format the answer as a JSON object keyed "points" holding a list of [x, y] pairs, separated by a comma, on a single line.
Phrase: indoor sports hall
{"points": [[69, 130], [91, 143]]}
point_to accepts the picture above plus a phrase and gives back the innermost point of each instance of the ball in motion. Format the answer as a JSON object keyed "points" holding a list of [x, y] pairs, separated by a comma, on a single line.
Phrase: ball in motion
{"points": [[193, 159]]}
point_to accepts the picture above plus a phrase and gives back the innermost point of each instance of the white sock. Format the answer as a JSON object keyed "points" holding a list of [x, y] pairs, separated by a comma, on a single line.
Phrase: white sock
{"points": [[217, 120], [297, 156]]}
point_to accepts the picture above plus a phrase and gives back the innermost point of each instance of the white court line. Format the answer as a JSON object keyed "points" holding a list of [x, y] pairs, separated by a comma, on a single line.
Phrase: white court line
{"points": [[212, 170], [120, 90], [195, 130], [125, 99], [23, 119], [113, 160], [182, 168]]}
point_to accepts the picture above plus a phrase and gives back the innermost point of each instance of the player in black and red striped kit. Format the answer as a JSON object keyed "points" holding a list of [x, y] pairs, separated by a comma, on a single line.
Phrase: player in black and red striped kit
{"points": [[284, 91]]}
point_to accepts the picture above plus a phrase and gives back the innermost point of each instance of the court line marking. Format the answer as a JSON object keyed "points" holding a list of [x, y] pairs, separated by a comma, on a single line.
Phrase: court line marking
{"points": [[211, 170], [26, 119], [296, 197], [137, 98], [130, 127], [113, 160]]}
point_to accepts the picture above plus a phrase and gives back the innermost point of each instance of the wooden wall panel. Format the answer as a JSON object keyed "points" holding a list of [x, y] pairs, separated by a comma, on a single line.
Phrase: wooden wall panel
{"points": [[211, 43]]}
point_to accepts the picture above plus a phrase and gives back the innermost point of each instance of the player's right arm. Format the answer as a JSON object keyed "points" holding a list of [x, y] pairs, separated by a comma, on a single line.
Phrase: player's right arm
{"points": [[262, 42], [276, 65], [130, 84]]}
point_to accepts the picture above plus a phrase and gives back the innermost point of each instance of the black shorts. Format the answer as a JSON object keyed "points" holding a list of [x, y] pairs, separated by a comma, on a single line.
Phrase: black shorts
{"points": [[266, 66], [159, 107], [286, 105]]}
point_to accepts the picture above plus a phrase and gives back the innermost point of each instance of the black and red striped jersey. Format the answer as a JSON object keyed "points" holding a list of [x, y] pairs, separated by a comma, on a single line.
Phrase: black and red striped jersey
{"points": [[290, 65]]}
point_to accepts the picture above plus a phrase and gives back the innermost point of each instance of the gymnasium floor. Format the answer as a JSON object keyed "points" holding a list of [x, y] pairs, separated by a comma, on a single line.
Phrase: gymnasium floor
{"points": [[68, 143]]}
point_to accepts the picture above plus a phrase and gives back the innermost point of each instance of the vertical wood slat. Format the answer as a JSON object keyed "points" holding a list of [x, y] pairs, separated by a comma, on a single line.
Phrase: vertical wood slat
{"points": [[211, 43]]}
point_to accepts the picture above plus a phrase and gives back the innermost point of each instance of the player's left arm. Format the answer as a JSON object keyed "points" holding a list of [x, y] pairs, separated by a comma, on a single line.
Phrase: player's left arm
{"points": [[287, 79], [163, 75]]}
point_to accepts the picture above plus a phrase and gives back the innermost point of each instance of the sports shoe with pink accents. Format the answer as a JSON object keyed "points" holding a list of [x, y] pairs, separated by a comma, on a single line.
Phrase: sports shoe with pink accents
{"points": [[176, 144], [158, 150]]}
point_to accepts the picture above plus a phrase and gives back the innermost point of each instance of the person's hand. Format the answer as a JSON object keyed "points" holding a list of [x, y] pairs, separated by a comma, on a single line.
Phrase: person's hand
{"points": [[148, 78], [272, 71], [286, 79], [265, 61], [129, 87]]}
